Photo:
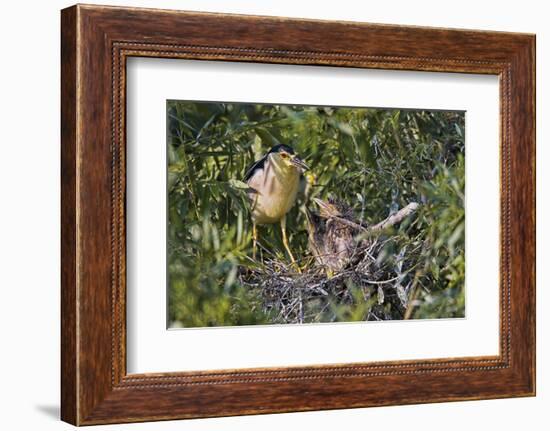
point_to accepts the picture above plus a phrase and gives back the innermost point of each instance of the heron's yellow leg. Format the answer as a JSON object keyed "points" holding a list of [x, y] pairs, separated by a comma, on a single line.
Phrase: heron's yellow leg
{"points": [[285, 243], [254, 240]]}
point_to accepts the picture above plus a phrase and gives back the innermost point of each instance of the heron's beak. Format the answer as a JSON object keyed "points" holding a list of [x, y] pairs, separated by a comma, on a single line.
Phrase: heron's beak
{"points": [[322, 204], [327, 209], [299, 163]]}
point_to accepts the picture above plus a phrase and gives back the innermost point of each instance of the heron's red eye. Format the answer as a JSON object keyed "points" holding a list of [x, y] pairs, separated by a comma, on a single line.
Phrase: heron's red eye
{"points": [[284, 155]]}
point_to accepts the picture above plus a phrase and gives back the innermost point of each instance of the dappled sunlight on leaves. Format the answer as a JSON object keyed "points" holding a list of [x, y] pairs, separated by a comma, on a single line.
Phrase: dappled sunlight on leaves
{"points": [[375, 160]]}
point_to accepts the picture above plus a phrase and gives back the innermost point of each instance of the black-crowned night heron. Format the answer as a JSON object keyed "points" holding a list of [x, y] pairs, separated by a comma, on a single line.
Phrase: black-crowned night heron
{"points": [[332, 234], [274, 181]]}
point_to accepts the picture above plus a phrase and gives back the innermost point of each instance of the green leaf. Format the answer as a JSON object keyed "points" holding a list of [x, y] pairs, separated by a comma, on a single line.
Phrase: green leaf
{"points": [[267, 138], [237, 184]]}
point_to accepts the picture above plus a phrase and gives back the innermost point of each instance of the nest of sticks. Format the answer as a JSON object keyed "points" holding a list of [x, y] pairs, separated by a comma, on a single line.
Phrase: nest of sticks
{"points": [[371, 287]]}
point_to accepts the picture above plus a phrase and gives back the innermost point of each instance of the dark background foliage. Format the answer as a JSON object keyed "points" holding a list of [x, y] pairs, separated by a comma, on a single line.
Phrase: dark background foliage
{"points": [[376, 160]]}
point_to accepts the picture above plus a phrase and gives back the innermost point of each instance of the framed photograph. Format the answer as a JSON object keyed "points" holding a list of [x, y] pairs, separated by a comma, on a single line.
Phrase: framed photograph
{"points": [[266, 215]]}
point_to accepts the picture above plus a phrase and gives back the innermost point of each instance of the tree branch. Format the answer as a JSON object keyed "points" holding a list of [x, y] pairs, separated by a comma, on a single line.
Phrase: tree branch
{"points": [[384, 224], [395, 218]]}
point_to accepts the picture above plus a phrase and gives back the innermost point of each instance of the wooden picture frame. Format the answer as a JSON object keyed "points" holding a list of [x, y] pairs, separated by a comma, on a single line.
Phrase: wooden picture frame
{"points": [[96, 41]]}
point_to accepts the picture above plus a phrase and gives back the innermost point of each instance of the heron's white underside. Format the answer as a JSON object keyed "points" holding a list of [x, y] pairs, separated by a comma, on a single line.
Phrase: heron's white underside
{"points": [[276, 188]]}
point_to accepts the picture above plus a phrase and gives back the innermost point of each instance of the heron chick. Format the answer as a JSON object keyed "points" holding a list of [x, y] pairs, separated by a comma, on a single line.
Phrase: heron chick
{"points": [[332, 234], [274, 181]]}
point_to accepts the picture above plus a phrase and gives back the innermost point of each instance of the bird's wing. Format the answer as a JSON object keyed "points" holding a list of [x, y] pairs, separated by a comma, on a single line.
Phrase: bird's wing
{"points": [[258, 164]]}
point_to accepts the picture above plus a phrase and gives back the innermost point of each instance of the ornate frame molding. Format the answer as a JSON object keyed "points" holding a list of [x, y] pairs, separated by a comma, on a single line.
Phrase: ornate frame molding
{"points": [[96, 41]]}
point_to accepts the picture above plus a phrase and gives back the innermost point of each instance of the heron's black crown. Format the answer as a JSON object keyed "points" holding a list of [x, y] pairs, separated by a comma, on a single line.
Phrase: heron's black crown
{"points": [[259, 164], [282, 147]]}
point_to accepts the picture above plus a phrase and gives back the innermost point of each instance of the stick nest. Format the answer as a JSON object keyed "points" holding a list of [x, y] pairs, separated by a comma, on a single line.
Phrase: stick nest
{"points": [[375, 285]]}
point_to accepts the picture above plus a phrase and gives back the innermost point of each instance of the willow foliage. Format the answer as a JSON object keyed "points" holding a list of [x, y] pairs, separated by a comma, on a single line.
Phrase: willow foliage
{"points": [[376, 160]]}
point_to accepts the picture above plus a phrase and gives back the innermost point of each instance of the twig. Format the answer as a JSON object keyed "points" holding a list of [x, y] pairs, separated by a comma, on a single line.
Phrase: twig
{"points": [[395, 218], [384, 224]]}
